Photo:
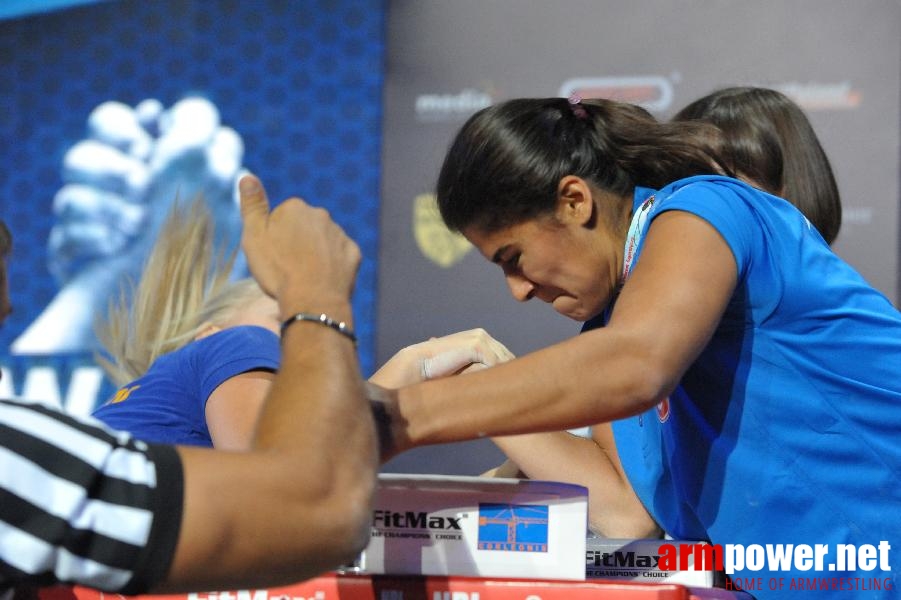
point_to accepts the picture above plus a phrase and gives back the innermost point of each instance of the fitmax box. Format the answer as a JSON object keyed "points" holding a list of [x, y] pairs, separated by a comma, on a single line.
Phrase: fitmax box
{"points": [[476, 526]]}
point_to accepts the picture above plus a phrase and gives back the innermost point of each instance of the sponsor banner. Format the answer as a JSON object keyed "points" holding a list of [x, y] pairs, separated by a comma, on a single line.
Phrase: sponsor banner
{"points": [[443, 108], [655, 93]]}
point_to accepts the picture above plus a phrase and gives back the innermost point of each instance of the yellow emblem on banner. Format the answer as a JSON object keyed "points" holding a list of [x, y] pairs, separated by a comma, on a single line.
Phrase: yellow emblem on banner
{"points": [[436, 242]]}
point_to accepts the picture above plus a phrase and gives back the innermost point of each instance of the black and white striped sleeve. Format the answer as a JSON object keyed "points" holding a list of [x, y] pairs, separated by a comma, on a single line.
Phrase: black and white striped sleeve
{"points": [[82, 504]]}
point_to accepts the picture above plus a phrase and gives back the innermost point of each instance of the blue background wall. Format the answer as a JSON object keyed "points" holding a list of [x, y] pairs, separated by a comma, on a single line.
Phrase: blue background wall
{"points": [[299, 81]]}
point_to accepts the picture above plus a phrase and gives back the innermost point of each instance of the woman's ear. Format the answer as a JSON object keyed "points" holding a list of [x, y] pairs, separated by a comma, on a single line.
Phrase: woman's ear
{"points": [[205, 330], [575, 202]]}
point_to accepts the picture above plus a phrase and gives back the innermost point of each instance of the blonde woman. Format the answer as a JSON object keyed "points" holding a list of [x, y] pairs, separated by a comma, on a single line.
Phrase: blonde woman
{"points": [[194, 354]]}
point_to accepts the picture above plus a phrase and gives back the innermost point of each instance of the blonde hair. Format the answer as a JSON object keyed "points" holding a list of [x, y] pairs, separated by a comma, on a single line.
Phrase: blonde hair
{"points": [[184, 288]]}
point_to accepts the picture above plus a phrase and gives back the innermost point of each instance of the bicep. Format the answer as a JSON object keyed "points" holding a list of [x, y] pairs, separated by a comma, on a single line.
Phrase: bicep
{"points": [[678, 291], [233, 408]]}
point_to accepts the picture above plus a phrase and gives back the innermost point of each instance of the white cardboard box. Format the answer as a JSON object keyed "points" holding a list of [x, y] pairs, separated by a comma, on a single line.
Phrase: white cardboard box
{"points": [[478, 527], [637, 560]]}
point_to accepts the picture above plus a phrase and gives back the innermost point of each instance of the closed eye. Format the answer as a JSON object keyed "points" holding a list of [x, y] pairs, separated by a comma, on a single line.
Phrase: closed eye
{"points": [[511, 263]]}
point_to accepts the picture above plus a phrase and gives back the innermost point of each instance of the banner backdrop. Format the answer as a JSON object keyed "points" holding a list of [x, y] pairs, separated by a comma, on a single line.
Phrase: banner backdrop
{"points": [[445, 60], [109, 111]]}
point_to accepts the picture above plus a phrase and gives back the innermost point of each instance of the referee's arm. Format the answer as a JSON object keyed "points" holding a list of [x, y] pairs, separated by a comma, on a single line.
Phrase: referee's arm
{"points": [[299, 503]]}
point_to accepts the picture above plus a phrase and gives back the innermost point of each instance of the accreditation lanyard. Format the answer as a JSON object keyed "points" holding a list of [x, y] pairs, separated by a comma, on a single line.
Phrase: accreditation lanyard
{"points": [[633, 237]]}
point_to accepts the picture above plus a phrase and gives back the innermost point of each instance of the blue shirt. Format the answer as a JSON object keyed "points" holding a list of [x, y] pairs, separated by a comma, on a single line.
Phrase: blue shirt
{"points": [[168, 403], [787, 428]]}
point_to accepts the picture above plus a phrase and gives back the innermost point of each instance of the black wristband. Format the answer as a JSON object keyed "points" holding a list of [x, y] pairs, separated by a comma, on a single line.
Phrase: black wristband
{"points": [[323, 319]]}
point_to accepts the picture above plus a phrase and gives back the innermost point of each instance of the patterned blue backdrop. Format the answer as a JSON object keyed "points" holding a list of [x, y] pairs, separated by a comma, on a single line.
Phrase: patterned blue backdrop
{"points": [[299, 81]]}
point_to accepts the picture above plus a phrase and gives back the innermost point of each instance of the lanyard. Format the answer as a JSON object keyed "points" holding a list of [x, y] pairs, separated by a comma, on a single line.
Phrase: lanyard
{"points": [[633, 237], [636, 230]]}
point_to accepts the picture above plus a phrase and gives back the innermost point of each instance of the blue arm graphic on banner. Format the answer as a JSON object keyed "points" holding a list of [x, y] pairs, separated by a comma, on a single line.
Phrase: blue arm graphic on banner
{"points": [[118, 185]]}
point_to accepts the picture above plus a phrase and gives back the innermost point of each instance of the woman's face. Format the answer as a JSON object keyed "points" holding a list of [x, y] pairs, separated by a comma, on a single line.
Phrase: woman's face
{"points": [[568, 261]]}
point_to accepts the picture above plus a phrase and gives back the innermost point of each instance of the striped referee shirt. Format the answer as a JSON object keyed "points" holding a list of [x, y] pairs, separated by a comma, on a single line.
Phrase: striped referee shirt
{"points": [[80, 503]]}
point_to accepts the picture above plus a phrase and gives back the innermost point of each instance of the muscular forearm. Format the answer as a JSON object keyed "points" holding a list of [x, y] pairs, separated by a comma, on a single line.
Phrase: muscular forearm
{"points": [[613, 508], [556, 388]]}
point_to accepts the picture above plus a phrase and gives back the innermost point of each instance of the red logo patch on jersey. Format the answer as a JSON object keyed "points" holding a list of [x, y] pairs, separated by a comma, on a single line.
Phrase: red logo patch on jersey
{"points": [[663, 410]]}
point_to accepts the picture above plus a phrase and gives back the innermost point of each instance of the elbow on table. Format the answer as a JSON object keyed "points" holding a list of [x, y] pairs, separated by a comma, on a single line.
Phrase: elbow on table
{"points": [[322, 515], [355, 534], [345, 519], [336, 522], [624, 526]]}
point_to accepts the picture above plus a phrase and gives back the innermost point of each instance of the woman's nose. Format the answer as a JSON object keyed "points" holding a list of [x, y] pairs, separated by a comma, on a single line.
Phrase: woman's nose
{"points": [[520, 287]]}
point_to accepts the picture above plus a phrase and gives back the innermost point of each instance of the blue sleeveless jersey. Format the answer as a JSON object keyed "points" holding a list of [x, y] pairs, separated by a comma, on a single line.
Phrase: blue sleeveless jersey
{"points": [[787, 428]]}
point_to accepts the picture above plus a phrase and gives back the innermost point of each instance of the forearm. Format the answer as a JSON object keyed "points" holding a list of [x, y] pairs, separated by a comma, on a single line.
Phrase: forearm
{"points": [[401, 369], [557, 388], [317, 409], [613, 508]]}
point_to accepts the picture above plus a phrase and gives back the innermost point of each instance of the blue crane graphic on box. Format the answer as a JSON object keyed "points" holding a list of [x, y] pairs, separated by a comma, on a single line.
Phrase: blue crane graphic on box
{"points": [[513, 527]]}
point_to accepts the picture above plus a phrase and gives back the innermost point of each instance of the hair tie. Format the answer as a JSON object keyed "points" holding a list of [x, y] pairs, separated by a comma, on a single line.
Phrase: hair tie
{"points": [[575, 103]]}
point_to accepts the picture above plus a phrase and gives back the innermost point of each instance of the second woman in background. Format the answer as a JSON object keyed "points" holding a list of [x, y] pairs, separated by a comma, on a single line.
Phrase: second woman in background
{"points": [[767, 140]]}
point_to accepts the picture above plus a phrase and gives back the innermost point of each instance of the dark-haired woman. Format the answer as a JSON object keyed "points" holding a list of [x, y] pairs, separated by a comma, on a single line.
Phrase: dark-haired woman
{"points": [[765, 139], [755, 374]]}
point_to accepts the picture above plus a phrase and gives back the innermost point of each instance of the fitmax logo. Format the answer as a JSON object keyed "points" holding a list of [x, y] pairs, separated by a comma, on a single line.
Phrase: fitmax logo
{"points": [[414, 520], [621, 559]]}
